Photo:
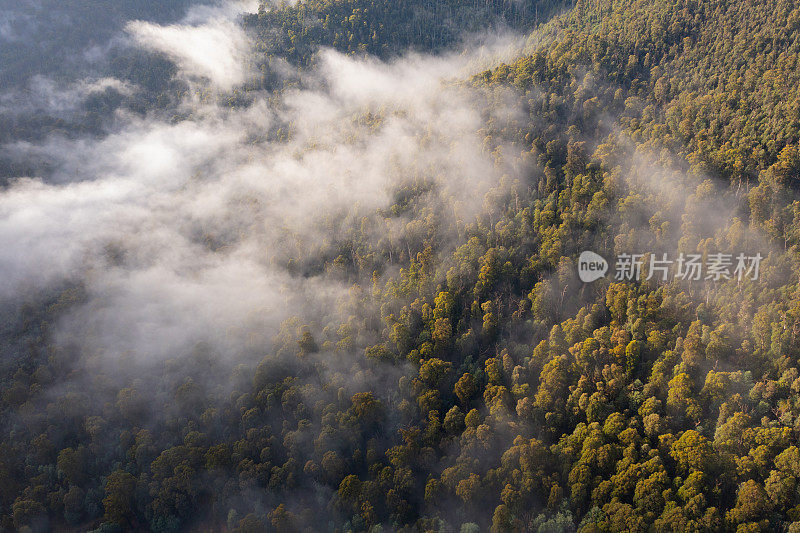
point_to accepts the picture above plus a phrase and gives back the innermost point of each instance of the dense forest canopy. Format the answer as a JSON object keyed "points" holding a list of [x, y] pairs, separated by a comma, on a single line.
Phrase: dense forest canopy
{"points": [[315, 266]]}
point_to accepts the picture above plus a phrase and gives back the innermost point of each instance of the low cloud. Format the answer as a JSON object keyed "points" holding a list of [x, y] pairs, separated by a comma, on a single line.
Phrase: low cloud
{"points": [[215, 50], [44, 95], [182, 232]]}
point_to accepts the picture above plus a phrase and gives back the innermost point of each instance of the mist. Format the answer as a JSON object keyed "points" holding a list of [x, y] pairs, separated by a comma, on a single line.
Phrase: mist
{"points": [[277, 266], [175, 239], [213, 229]]}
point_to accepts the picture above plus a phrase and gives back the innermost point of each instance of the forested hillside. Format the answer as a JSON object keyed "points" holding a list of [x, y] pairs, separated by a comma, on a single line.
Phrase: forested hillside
{"points": [[465, 379], [385, 28]]}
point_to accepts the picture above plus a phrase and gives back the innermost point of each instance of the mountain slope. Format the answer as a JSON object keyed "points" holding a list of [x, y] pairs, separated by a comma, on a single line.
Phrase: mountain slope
{"points": [[491, 388]]}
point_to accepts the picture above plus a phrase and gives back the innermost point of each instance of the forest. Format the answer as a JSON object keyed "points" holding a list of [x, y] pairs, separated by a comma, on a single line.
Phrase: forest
{"points": [[343, 294]]}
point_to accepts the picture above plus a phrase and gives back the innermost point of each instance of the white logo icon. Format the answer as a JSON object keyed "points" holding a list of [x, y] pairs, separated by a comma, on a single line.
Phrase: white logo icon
{"points": [[591, 267]]}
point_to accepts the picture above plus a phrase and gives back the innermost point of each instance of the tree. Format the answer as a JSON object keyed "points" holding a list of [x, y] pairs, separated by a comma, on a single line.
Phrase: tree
{"points": [[465, 388], [73, 464], [693, 452], [119, 497]]}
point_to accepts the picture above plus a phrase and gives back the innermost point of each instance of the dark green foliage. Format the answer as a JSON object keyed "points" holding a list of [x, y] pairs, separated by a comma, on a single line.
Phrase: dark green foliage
{"points": [[517, 399]]}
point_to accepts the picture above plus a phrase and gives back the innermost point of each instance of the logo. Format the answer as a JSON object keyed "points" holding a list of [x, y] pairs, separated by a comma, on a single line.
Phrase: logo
{"points": [[716, 267], [591, 267]]}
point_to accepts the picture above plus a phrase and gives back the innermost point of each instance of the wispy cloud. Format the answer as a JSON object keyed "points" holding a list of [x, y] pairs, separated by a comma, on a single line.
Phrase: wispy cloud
{"points": [[182, 230], [215, 50]]}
